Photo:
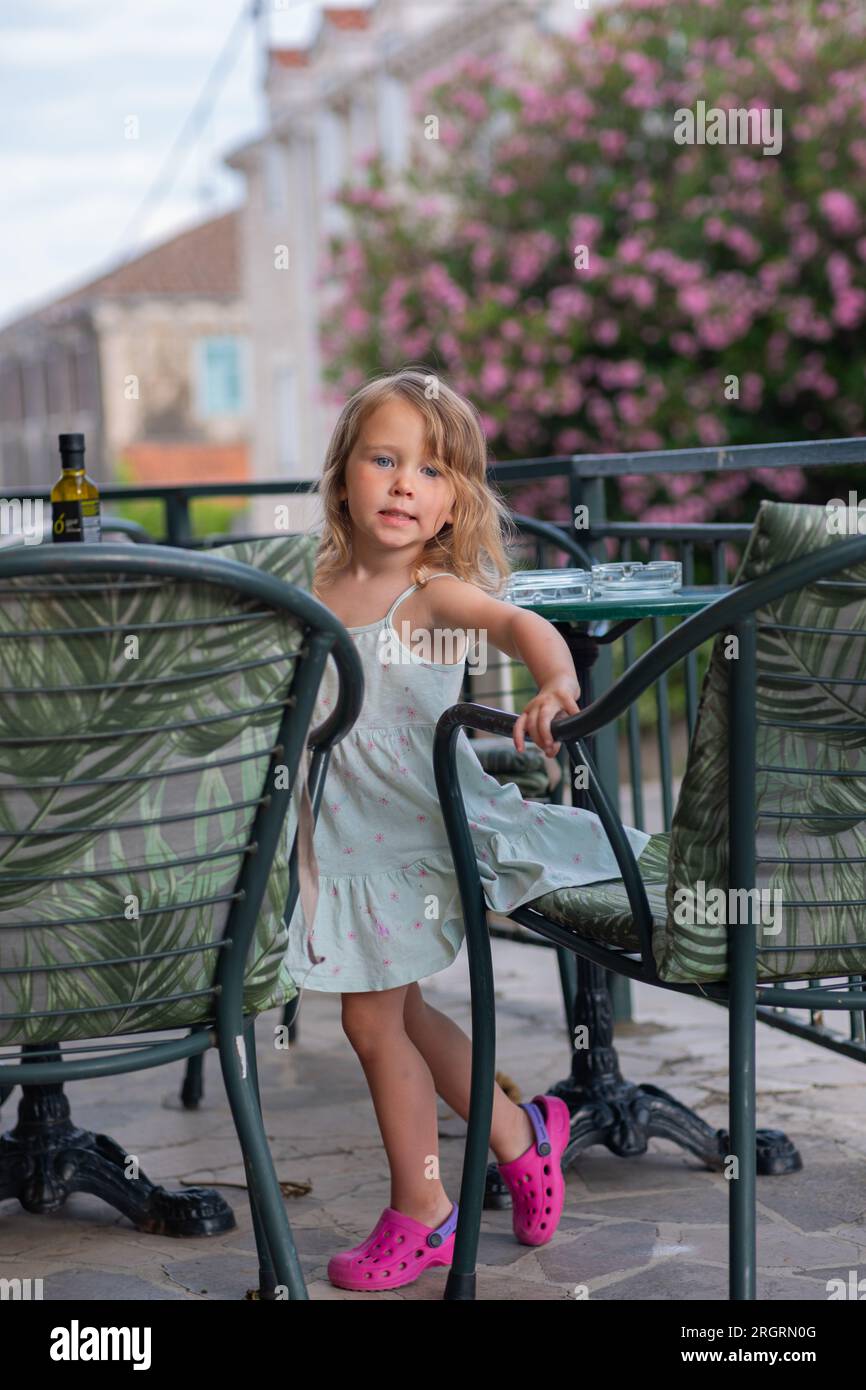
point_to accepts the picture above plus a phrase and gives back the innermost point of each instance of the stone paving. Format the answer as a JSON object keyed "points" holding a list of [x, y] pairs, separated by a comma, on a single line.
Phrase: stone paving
{"points": [[651, 1227]]}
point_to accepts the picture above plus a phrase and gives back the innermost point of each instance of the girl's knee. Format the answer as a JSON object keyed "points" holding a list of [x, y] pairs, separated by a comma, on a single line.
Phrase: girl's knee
{"points": [[369, 1018]]}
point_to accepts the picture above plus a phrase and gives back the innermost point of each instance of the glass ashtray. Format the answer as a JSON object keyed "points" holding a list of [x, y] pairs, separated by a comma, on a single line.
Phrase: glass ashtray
{"points": [[548, 586], [631, 578]]}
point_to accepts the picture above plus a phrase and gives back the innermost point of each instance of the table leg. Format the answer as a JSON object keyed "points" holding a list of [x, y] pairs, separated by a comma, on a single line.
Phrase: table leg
{"points": [[605, 1108], [46, 1157]]}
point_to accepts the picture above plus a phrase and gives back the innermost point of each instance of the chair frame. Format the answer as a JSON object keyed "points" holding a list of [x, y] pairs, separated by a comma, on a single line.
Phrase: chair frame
{"points": [[740, 992], [231, 1032]]}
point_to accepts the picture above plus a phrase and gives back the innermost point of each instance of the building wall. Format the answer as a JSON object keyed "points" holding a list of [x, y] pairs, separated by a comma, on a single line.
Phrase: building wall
{"points": [[129, 375], [49, 385], [149, 366], [348, 100]]}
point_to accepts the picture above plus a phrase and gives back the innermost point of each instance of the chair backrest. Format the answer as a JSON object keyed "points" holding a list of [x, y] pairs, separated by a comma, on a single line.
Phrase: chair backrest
{"points": [[145, 711], [810, 829]]}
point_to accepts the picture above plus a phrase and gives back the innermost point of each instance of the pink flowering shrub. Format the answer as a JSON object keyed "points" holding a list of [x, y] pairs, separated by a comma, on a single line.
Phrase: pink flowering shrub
{"points": [[701, 263]]}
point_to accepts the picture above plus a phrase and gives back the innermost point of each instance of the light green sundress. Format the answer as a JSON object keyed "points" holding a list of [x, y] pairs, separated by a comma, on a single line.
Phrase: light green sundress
{"points": [[389, 908]]}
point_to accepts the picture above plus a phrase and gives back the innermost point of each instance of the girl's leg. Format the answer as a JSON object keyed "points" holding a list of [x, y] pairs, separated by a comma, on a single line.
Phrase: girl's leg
{"points": [[448, 1054], [404, 1099]]}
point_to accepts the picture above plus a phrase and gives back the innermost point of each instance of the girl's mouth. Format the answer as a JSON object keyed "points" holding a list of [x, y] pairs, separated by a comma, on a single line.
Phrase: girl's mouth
{"points": [[397, 518]]}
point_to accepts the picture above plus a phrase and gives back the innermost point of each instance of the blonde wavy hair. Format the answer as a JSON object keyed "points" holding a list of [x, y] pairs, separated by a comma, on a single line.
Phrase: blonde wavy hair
{"points": [[473, 547]]}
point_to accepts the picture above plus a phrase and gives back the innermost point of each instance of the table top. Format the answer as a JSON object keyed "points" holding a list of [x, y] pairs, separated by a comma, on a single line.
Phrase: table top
{"points": [[683, 602]]}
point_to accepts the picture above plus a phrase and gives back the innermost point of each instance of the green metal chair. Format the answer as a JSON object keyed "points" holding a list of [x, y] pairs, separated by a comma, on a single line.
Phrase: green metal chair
{"points": [[773, 798], [155, 826]]}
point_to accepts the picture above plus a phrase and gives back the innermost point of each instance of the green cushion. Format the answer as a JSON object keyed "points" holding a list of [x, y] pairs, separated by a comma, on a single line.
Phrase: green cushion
{"points": [[84, 865], [601, 910], [836, 823]]}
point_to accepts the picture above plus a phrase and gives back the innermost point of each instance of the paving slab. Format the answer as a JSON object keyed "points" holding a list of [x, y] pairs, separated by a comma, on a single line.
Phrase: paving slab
{"points": [[652, 1227]]}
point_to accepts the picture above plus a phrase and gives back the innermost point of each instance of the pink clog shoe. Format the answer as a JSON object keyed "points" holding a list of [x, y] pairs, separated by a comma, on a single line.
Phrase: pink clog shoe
{"points": [[395, 1252], [535, 1178]]}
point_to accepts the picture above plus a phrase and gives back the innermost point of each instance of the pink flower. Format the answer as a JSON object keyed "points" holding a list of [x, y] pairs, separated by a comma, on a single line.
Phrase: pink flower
{"points": [[695, 299], [841, 211], [494, 378], [612, 142], [606, 332], [849, 309]]}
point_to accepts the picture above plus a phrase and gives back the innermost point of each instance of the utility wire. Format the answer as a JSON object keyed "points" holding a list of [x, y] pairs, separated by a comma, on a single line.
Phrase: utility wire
{"points": [[197, 119]]}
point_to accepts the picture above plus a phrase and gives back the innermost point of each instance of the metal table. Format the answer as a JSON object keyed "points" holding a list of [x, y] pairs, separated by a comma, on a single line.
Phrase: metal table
{"points": [[605, 1108]]}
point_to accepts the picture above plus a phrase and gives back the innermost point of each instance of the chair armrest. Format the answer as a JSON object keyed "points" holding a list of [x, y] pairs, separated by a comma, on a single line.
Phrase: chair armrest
{"points": [[457, 825]]}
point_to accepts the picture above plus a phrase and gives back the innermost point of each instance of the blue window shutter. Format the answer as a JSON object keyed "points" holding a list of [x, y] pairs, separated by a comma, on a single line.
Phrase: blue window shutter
{"points": [[220, 376]]}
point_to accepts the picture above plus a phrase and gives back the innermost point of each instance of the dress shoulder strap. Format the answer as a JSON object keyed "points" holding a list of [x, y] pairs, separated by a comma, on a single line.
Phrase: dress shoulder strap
{"points": [[398, 600], [442, 574]]}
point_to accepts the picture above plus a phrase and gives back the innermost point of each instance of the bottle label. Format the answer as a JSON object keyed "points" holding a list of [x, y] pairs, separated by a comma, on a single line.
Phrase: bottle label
{"points": [[76, 521]]}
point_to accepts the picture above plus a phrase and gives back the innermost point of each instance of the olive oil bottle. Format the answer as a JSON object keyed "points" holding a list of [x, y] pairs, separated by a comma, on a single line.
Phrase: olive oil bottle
{"points": [[75, 514]]}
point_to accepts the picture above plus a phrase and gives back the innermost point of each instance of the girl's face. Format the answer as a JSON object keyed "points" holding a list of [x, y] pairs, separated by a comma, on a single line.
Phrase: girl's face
{"points": [[389, 470]]}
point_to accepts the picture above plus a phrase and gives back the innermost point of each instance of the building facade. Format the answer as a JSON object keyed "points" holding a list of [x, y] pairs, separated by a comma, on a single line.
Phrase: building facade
{"points": [[331, 104], [151, 362]]}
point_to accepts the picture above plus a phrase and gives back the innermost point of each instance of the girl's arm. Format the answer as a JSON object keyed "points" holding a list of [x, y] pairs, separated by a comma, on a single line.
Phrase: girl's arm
{"points": [[524, 636]]}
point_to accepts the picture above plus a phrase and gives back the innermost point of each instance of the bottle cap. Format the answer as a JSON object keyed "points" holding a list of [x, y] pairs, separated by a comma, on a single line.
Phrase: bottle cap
{"points": [[71, 443]]}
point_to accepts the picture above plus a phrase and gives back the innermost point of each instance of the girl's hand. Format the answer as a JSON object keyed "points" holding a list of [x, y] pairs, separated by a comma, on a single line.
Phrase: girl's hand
{"points": [[555, 698]]}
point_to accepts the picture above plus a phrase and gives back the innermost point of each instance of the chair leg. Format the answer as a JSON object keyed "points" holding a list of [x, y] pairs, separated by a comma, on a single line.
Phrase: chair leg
{"points": [[742, 1251], [278, 1258], [568, 982], [192, 1089], [267, 1276], [290, 1016], [461, 1279]]}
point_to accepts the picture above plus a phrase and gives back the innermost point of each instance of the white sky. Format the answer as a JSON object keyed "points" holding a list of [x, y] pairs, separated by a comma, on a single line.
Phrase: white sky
{"points": [[71, 73]]}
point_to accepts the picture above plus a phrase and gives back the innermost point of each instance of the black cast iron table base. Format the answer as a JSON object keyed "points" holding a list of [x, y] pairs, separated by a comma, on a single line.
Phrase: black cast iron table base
{"points": [[46, 1158], [607, 1109]]}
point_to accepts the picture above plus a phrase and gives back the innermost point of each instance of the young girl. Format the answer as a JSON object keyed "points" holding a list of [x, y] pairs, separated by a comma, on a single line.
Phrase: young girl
{"points": [[406, 502]]}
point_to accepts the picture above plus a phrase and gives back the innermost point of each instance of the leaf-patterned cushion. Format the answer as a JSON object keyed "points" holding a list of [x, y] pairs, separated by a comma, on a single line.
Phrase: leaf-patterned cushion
{"points": [[811, 783], [73, 895], [601, 910]]}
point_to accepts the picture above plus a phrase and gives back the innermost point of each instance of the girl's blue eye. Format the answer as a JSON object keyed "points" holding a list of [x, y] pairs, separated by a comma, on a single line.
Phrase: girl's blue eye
{"points": [[379, 457]]}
